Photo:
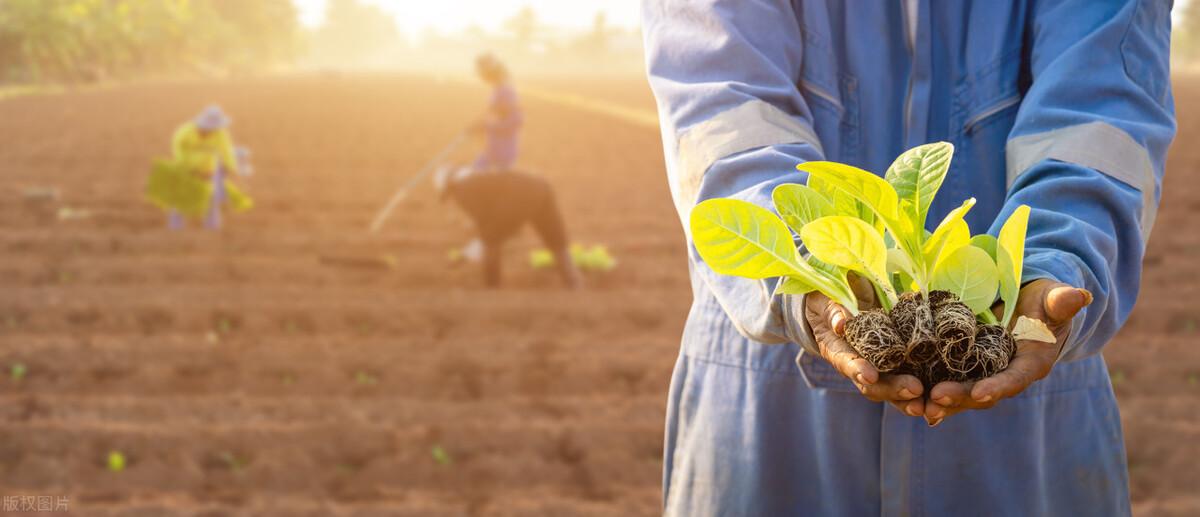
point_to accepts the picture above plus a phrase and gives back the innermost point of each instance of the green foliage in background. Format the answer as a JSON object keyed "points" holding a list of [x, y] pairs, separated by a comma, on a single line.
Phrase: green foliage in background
{"points": [[91, 40]]}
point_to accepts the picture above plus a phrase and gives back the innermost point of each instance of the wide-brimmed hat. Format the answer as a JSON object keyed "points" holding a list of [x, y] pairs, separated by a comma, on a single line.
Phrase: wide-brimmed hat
{"points": [[212, 119]]}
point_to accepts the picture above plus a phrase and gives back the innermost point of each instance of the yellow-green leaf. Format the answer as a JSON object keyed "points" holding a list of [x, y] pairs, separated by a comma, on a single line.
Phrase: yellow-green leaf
{"points": [[951, 234], [971, 274], [850, 243], [738, 238], [986, 243], [859, 184], [1010, 254], [917, 174], [793, 285], [873, 192], [799, 205]]}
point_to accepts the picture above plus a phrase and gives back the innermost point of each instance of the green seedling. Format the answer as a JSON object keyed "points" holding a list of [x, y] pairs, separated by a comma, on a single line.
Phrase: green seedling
{"points": [[224, 326], [1193, 378], [595, 258], [936, 288], [116, 461], [365, 378], [235, 462], [287, 379], [440, 455], [17, 372]]}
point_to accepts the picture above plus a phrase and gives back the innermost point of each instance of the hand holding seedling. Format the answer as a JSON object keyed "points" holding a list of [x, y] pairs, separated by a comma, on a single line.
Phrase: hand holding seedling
{"points": [[930, 321], [1054, 303], [827, 319]]}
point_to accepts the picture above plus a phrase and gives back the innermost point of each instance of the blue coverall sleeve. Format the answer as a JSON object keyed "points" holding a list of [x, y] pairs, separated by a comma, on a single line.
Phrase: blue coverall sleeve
{"points": [[1088, 149], [734, 125]]}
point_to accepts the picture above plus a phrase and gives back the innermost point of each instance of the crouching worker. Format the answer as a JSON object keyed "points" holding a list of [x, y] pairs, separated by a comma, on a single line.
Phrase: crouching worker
{"points": [[499, 204], [196, 181]]}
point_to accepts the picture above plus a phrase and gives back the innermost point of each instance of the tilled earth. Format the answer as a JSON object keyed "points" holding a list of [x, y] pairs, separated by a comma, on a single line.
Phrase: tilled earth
{"points": [[295, 365]]}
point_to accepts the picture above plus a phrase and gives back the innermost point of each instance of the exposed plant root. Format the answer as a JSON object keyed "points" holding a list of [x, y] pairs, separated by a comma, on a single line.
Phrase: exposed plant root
{"points": [[994, 348], [873, 336], [914, 323], [954, 325], [934, 342]]}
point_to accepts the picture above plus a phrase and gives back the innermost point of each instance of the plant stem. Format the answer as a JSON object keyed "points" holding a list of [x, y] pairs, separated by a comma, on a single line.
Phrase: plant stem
{"points": [[988, 317]]}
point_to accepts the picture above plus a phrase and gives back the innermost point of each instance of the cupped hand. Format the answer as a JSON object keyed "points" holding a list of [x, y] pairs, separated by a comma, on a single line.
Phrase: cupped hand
{"points": [[1054, 303], [827, 319]]}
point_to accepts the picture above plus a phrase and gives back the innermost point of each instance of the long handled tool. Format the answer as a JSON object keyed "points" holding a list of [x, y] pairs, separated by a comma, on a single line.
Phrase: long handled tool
{"points": [[402, 192]]}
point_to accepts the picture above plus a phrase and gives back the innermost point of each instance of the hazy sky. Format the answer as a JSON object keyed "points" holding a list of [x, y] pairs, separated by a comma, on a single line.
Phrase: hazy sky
{"points": [[413, 16]]}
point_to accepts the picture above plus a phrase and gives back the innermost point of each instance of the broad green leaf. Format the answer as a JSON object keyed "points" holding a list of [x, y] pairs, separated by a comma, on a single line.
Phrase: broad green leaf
{"points": [[899, 265], [873, 191], [799, 205], [843, 203], [986, 243], [793, 285], [859, 184], [898, 261], [971, 274], [1010, 254], [952, 233], [743, 239], [850, 243], [917, 174]]}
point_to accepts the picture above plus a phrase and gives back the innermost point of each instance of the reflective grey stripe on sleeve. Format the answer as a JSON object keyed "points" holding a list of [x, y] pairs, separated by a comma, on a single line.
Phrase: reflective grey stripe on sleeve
{"points": [[751, 125], [1095, 145]]}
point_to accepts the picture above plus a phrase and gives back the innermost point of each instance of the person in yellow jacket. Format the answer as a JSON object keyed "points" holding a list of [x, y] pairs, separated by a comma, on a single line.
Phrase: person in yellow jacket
{"points": [[203, 149]]}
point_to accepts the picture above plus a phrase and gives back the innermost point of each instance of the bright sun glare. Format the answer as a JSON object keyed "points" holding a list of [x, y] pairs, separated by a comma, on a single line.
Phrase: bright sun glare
{"points": [[414, 16]]}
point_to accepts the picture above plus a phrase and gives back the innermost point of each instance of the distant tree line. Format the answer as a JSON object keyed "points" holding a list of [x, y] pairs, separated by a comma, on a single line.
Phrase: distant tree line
{"points": [[89, 40]]}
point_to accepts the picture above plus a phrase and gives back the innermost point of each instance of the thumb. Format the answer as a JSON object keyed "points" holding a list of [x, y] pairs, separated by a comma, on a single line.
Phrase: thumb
{"points": [[1063, 302], [837, 316]]}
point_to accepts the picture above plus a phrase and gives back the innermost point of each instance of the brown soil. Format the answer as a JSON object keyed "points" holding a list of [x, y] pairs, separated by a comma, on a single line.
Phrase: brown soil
{"points": [[295, 366]]}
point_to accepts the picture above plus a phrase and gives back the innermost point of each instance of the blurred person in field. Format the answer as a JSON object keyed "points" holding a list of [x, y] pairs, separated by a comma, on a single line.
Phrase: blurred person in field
{"points": [[498, 199], [1064, 106], [500, 126], [203, 147], [500, 204]]}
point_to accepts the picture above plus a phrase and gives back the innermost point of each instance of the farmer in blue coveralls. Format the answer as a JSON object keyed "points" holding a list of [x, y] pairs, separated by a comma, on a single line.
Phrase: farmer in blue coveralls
{"points": [[1062, 105]]}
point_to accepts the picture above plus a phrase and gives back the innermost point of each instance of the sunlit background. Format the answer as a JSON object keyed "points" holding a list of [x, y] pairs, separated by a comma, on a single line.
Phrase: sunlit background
{"points": [[296, 364]]}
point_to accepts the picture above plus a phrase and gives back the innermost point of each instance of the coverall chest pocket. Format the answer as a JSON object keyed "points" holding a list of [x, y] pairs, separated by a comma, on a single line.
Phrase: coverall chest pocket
{"points": [[832, 97], [986, 103]]}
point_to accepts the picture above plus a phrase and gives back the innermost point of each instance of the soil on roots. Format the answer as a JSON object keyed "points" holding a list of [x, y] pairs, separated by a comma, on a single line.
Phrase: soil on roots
{"points": [[935, 341], [874, 337]]}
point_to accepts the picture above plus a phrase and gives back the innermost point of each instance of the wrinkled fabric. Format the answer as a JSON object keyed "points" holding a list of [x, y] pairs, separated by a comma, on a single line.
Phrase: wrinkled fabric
{"points": [[758, 429], [503, 130]]}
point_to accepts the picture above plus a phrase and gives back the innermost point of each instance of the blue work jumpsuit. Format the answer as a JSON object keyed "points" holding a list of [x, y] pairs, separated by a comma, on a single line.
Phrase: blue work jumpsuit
{"points": [[1063, 105]]}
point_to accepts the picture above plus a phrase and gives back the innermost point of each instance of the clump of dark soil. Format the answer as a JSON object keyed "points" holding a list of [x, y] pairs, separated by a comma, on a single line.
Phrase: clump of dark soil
{"points": [[935, 340]]}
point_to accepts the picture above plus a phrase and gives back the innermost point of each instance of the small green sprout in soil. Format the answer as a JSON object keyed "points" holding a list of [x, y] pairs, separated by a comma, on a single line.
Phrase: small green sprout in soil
{"points": [[287, 379], [1193, 379], [235, 462], [224, 326], [440, 455], [116, 461], [17, 372], [935, 291], [365, 378]]}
